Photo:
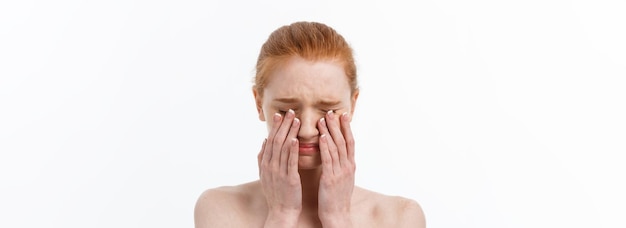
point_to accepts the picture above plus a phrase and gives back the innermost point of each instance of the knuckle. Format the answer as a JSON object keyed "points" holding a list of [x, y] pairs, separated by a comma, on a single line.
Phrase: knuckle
{"points": [[350, 169], [271, 168], [293, 181], [330, 181], [341, 143], [276, 143], [350, 141]]}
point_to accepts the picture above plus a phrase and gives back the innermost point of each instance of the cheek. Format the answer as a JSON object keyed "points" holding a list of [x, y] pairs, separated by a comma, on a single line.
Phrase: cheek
{"points": [[340, 112], [267, 112], [268, 119], [270, 124]]}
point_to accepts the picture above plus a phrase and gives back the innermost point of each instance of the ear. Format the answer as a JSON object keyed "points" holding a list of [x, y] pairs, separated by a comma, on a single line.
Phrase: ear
{"points": [[353, 99], [258, 100]]}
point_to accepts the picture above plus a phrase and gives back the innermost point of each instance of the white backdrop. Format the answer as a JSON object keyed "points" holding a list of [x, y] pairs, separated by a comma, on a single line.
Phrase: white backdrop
{"points": [[489, 114]]}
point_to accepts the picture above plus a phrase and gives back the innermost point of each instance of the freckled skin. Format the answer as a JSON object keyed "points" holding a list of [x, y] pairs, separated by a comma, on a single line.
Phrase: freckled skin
{"points": [[324, 194]]}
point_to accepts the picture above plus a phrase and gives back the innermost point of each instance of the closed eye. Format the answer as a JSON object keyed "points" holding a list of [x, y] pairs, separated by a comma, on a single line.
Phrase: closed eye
{"points": [[284, 111]]}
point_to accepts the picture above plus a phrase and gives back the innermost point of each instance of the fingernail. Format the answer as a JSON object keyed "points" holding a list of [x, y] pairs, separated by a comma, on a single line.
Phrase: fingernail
{"points": [[344, 116], [291, 112], [296, 121], [277, 117], [330, 114], [322, 120]]}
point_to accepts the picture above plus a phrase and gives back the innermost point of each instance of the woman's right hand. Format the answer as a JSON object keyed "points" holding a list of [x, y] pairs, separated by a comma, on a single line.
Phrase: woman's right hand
{"points": [[278, 171]]}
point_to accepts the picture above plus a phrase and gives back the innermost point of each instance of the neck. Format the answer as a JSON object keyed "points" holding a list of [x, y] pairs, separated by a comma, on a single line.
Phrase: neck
{"points": [[310, 180]]}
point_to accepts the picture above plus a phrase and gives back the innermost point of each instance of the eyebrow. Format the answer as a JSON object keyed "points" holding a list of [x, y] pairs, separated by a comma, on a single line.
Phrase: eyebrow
{"points": [[287, 100], [327, 103], [323, 103]]}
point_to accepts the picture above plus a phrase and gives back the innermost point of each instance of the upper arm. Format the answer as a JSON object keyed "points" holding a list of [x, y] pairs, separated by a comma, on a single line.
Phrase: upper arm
{"points": [[213, 209], [411, 214], [202, 209]]}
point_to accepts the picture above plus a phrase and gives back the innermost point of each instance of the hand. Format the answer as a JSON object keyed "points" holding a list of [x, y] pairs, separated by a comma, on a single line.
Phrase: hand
{"points": [[278, 171], [337, 179]]}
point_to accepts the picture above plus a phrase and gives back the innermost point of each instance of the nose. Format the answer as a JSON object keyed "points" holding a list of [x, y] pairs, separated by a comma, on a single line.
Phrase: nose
{"points": [[308, 128]]}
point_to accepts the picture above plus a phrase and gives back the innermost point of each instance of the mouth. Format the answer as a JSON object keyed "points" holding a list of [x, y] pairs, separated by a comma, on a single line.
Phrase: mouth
{"points": [[309, 148]]}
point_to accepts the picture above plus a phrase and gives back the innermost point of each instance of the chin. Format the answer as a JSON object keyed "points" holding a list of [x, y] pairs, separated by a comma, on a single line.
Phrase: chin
{"points": [[309, 163]]}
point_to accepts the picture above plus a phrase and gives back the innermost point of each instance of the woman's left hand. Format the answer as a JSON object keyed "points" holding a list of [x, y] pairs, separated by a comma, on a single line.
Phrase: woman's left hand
{"points": [[337, 178]]}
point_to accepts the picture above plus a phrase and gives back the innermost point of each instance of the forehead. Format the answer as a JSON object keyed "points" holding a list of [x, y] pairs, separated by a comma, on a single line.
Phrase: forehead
{"points": [[303, 79]]}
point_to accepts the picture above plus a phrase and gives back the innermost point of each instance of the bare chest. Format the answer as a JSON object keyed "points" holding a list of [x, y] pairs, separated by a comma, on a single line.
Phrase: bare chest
{"points": [[360, 218]]}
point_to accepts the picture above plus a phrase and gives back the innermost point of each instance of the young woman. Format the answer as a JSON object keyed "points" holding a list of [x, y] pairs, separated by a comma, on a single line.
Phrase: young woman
{"points": [[306, 90]]}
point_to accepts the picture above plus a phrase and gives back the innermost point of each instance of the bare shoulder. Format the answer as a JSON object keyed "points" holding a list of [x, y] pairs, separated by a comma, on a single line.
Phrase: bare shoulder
{"points": [[409, 212], [391, 211], [224, 206]]}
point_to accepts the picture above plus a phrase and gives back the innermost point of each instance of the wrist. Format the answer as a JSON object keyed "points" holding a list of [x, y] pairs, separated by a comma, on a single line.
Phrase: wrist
{"points": [[282, 219]]}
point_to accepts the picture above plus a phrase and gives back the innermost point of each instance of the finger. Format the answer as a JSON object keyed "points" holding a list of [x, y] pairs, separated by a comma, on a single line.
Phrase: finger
{"points": [[295, 127], [267, 154], [281, 142], [337, 136], [323, 128], [332, 149], [293, 158], [287, 147], [327, 162], [279, 139], [347, 134], [260, 156]]}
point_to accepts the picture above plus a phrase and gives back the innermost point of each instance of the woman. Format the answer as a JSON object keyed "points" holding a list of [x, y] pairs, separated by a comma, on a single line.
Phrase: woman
{"points": [[306, 90]]}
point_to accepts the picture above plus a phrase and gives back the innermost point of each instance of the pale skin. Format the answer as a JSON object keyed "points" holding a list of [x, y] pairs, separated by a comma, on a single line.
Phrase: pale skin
{"points": [[306, 164]]}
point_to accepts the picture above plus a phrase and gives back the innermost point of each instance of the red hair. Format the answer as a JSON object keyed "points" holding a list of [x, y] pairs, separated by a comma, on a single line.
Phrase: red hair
{"points": [[309, 40]]}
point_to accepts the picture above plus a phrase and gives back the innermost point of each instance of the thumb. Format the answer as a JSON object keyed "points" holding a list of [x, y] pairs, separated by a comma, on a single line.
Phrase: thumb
{"points": [[260, 155]]}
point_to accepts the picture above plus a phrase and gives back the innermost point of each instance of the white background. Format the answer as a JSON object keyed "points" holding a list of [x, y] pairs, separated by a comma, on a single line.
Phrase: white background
{"points": [[489, 114]]}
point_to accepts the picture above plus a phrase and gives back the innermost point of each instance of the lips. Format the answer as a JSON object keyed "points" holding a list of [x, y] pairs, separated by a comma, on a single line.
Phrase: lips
{"points": [[308, 148]]}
